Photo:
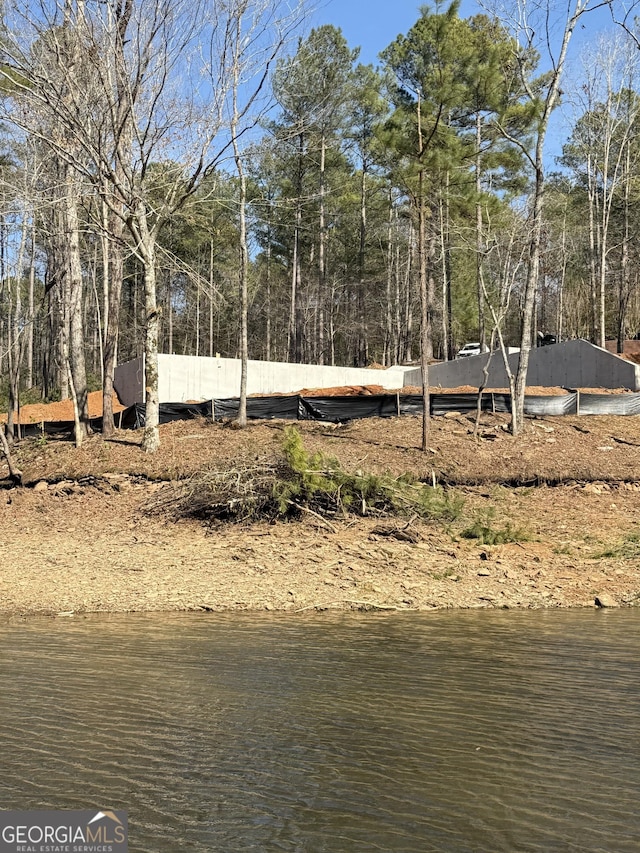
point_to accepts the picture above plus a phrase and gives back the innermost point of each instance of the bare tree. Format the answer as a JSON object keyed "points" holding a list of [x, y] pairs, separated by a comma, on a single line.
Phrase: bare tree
{"points": [[506, 258], [17, 204], [254, 35], [536, 25], [151, 115], [599, 152], [115, 211]]}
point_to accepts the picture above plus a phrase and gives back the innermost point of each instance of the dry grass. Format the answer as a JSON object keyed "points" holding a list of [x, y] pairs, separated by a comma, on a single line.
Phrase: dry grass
{"points": [[552, 450]]}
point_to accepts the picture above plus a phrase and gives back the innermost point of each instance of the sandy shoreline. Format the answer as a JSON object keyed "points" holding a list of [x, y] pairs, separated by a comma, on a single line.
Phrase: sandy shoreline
{"points": [[79, 549], [76, 538]]}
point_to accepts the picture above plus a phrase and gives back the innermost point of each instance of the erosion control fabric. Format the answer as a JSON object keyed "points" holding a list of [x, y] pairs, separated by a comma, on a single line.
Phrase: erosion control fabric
{"points": [[341, 409]]}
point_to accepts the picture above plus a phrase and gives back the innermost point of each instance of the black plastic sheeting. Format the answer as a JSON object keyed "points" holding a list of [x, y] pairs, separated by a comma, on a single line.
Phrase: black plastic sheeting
{"points": [[52, 428], [341, 409], [260, 408], [181, 411], [337, 409], [439, 404]]}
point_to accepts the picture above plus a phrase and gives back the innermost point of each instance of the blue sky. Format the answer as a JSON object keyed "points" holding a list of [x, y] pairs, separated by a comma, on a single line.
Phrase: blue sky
{"points": [[368, 24], [374, 24]]}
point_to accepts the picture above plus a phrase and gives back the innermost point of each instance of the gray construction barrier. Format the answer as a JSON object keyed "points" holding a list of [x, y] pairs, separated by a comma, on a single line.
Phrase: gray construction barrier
{"points": [[607, 404]]}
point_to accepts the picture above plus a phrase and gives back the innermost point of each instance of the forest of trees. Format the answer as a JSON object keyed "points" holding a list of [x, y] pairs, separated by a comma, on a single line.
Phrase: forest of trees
{"points": [[198, 178]]}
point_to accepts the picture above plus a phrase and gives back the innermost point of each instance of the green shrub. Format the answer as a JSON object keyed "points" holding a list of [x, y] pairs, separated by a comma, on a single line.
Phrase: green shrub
{"points": [[627, 549], [321, 483], [484, 531], [301, 481]]}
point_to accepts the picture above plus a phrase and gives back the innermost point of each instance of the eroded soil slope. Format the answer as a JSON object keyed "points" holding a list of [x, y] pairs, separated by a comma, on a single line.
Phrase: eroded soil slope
{"points": [[76, 538]]}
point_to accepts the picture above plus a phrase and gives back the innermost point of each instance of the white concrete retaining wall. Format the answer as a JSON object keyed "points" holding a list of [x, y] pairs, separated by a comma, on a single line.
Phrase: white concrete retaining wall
{"points": [[183, 377], [572, 364]]}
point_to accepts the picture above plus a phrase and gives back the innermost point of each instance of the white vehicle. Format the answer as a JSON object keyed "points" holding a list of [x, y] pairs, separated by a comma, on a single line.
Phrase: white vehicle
{"points": [[471, 349]]}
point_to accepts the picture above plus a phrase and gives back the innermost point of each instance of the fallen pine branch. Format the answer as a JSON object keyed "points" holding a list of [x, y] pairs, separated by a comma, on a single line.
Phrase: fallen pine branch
{"points": [[317, 515], [300, 482]]}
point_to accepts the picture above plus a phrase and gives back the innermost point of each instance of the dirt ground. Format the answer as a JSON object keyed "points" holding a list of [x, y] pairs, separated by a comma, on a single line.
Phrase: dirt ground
{"points": [[76, 537]]}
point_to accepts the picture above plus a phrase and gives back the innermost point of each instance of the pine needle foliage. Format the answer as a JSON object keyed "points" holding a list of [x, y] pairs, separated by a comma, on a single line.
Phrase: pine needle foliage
{"points": [[320, 483], [301, 482]]}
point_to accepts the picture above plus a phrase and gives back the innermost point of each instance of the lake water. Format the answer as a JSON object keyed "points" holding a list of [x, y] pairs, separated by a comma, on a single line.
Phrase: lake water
{"points": [[448, 731]]}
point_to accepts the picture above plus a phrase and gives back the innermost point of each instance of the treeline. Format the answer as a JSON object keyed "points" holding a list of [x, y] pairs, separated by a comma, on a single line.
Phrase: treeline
{"points": [[185, 177]]}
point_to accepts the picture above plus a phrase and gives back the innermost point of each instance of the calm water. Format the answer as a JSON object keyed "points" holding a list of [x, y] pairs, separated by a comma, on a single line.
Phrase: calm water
{"points": [[432, 732]]}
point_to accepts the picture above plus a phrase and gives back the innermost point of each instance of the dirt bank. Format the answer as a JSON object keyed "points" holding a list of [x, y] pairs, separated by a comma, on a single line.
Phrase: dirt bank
{"points": [[35, 413], [77, 538]]}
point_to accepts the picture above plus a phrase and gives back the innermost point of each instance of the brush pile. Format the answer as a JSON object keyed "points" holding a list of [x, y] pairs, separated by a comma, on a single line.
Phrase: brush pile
{"points": [[296, 483]]}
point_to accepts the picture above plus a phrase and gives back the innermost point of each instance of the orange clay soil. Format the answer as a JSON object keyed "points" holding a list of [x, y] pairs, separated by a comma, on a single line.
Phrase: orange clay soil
{"points": [[36, 413]]}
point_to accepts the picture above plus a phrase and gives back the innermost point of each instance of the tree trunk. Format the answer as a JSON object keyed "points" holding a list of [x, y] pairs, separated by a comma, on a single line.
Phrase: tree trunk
{"points": [[294, 330], [268, 296], [147, 249], [479, 236], [624, 287], [593, 239], [15, 338], [426, 344], [407, 336], [362, 347], [32, 283], [74, 306], [531, 289], [398, 348], [390, 351], [535, 241], [14, 473], [322, 249], [294, 325], [243, 281], [116, 269]]}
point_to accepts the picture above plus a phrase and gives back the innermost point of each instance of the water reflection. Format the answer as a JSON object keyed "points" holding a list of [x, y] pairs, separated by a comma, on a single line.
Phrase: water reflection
{"points": [[444, 732]]}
